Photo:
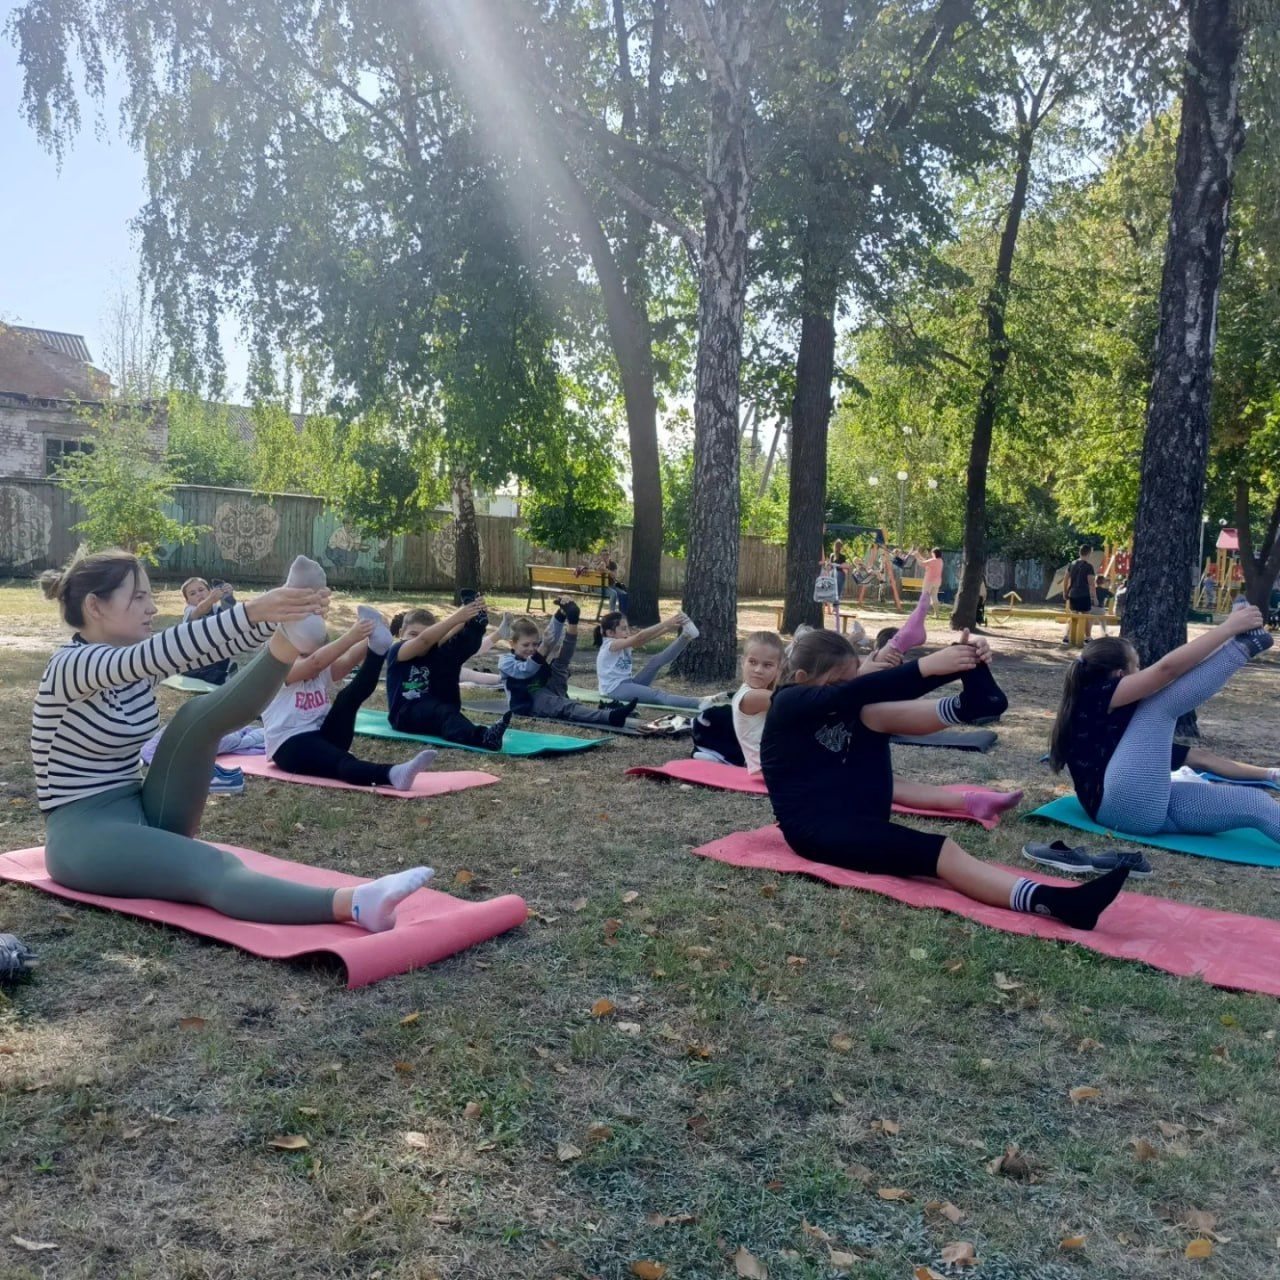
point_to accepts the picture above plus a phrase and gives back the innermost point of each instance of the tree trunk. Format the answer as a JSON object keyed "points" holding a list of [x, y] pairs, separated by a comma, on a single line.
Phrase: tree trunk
{"points": [[975, 511], [806, 500], [1261, 564], [466, 537], [1176, 444], [711, 586]]}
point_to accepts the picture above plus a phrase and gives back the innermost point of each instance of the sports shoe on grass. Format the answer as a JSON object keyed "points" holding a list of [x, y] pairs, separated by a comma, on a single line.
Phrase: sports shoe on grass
{"points": [[226, 782], [1110, 859], [1059, 856]]}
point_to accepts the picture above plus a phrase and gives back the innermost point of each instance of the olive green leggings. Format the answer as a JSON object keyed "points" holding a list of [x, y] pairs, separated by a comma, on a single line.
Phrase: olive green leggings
{"points": [[137, 841]]}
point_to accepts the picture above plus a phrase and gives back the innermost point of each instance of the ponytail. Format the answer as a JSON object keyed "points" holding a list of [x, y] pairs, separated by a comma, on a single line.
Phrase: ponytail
{"points": [[1098, 660]]}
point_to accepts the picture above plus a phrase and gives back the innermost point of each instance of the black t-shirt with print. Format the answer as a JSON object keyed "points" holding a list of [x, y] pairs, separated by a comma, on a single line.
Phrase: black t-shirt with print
{"points": [[1078, 574]]}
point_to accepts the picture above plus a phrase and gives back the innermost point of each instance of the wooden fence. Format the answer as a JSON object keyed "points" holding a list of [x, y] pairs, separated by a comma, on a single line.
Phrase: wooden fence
{"points": [[252, 538]]}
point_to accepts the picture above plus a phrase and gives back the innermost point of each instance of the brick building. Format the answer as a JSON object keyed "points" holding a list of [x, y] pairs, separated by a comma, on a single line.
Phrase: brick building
{"points": [[49, 389]]}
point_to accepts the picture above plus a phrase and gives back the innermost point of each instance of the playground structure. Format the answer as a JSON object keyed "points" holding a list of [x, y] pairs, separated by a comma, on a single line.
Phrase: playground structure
{"points": [[1221, 575]]}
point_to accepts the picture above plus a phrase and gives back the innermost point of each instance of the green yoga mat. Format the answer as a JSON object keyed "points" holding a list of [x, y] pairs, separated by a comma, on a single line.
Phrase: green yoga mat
{"points": [[1242, 845], [516, 742], [189, 684]]}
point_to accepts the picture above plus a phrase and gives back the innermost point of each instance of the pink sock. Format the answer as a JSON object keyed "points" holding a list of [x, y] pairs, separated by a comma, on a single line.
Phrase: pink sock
{"points": [[912, 632], [990, 804]]}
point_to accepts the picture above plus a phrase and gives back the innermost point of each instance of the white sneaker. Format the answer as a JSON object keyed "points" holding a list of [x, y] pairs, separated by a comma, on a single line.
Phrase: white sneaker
{"points": [[690, 630], [716, 700]]}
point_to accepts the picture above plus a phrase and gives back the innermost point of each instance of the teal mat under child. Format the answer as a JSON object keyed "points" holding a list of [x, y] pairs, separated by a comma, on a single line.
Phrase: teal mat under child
{"points": [[1242, 845], [516, 742]]}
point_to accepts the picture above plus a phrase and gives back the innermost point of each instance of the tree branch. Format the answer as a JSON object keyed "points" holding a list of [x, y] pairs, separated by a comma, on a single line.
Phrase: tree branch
{"points": [[712, 58], [629, 196]]}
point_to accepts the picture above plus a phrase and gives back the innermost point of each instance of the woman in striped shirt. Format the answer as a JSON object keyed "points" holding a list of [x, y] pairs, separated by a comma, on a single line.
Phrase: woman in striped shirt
{"points": [[108, 831]]}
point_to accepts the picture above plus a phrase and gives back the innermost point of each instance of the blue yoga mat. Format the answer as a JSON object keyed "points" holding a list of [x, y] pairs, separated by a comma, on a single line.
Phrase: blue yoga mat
{"points": [[516, 742], [1242, 845], [1239, 782]]}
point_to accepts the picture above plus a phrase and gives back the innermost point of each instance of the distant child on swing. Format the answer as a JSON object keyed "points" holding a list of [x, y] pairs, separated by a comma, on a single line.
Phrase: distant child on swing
{"points": [[535, 673], [310, 731], [423, 671]]}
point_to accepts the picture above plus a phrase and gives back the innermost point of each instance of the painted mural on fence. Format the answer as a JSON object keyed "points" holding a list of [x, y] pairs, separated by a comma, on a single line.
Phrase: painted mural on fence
{"points": [[26, 528]]}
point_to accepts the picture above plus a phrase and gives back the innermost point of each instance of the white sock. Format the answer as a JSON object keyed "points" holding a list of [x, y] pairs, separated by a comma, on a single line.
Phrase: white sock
{"points": [[380, 641], [690, 629], [309, 633], [373, 905], [1273, 775], [402, 775], [504, 627]]}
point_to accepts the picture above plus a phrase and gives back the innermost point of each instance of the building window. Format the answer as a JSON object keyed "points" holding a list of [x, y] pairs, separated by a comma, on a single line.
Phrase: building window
{"points": [[56, 450]]}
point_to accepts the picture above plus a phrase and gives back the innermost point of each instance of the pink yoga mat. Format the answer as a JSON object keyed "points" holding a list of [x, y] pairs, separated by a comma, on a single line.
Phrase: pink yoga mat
{"points": [[733, 777], [429, 925], [1242, 952], [425, 784]]}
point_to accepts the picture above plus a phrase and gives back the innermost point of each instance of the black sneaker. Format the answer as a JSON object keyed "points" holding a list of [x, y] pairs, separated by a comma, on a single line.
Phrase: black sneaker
{"points": [[492, 737], [1059, 856], [1135, 863], [16, 958]]}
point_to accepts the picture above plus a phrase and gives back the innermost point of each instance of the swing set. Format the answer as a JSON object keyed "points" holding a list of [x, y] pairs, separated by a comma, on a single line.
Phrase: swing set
{"points": [[1222, 575]]}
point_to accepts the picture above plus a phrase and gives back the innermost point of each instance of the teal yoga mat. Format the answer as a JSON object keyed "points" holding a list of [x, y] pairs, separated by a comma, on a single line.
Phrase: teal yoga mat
{"points": [[1243, 845], [374, 724]]}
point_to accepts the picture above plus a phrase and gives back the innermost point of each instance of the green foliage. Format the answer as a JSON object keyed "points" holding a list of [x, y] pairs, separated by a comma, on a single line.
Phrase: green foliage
{"points": [[576, 502], [388, 479], [123, 485], [204, 447], [293, 457]]}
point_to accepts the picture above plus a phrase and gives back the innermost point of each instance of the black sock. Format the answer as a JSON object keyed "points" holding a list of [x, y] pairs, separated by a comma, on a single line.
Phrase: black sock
{"points": [[980, 700], [618, 717], [1079, 906], [491, 738]]}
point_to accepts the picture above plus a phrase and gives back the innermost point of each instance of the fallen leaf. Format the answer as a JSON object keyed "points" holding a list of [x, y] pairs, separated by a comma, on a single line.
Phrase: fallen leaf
{"points": [[858, 1173], [629, 897], [1005, 983], [1171, 1130], [566, 1151], [893, 1193], [891, 1127], [403, 1067], [418, 1141], [1087, 1044], [699, 953], [949, 1211], [611, 927], [768, 890], [953, 966], [32, 1246], [698, 1125], [308, 1111], [797, 962], [409, 1019], [670, 1219], [289, 1142], [473, 1111], [842, 1043], [959, 1254], [1144, 1152], [840, 1259], [1012, 1164], [646, 1270], [599, 1132], [7, 1048], [191, 1024], [1229, 1020], [629, 1028], [816, 1232], [602, 1008], [700, 1051], [746, 1264], [918, 953], [578, 904], [464, 877], [130, 1134], [927, 1273], [1219, 1051], [1199, 1248], [1072, 1242], [1084, 1093], [1199, 1221]]}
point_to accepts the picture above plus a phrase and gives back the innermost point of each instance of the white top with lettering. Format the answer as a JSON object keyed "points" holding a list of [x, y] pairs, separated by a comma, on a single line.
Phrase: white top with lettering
{"points": [[297, 708]]}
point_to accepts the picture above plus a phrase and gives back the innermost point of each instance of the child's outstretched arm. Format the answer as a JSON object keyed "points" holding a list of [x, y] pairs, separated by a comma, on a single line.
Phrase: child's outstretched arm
{"points": [[330, 654], [674, 623], [755, 701], [437, 632], [1164, 671]]}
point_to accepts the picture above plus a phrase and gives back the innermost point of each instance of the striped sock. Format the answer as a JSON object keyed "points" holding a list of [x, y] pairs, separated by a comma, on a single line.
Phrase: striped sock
{"points": [[1021, 894]]}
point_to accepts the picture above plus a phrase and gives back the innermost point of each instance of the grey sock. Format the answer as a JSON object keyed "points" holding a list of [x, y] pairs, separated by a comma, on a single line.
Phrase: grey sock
{"points": [[380, 641], [1255, 642], [402, 775], [309, 633]]}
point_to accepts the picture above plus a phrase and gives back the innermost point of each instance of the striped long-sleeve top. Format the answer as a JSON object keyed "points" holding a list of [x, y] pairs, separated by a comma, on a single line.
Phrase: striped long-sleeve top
{"points": [[96, 704]]}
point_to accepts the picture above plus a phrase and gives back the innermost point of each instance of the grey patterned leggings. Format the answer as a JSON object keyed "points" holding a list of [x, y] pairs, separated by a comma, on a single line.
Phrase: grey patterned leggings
{"points": [[1138, 795], [641, 687]]}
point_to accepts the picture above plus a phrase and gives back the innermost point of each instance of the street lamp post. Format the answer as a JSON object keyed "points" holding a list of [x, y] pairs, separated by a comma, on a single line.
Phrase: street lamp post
{"points": [[902, 503]]}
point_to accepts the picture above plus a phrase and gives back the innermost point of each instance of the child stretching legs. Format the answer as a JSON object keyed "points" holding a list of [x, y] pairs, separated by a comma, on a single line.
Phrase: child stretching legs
{"points": [[614, 661], [761, 666], [827, 735], [108, 832], [1115, 725], [422, 677], [309, 734], [536, 687]]}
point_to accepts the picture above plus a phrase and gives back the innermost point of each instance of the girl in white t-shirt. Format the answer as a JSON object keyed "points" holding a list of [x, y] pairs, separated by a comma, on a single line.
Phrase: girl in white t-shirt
{"points": [[614, 661], [761, 666], [310, 731]]}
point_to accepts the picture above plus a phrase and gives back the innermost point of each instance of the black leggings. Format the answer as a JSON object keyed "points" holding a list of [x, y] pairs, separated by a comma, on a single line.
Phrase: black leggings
{"points": [[436, 719], [873, 845], [325, 752]]}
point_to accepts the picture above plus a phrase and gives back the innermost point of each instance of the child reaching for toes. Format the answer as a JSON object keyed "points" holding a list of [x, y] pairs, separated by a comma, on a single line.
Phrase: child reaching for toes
{"points": [[614, 661], [109, 832], [423, 671], [827, 736], [535, 673], [310, 732], [1115, 725]]}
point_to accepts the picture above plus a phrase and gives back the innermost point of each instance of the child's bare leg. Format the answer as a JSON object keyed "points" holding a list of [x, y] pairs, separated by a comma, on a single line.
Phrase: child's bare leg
{"points": [[1211, 762], [921, 795], [978, 880]]}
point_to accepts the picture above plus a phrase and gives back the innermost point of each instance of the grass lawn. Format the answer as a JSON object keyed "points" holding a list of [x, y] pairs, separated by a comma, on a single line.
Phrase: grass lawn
{"points": [[813, 1077]]}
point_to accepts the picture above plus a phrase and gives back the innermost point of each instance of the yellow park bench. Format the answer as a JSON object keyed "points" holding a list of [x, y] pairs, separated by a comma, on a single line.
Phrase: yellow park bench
{"points": [[843, 623], [551, 579], [1078, 622]]}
